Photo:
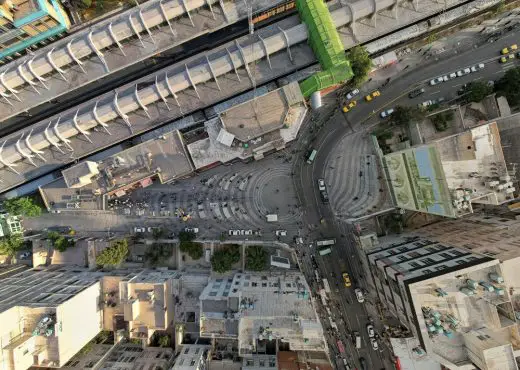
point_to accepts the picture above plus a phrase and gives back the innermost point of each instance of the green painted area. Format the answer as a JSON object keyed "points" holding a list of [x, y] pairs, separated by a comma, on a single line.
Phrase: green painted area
{"points": [[327, 46]]}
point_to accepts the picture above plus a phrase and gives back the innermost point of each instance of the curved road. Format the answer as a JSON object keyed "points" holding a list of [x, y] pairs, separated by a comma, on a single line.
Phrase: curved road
{"points": [[324, 131]]}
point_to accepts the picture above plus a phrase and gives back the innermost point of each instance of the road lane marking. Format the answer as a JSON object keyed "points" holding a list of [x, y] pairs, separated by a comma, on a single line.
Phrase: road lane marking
{"points": [[435, 92]]}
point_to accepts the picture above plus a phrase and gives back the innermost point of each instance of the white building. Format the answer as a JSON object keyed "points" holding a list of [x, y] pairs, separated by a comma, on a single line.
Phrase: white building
{"points": [[260, 308], [192, 357]]}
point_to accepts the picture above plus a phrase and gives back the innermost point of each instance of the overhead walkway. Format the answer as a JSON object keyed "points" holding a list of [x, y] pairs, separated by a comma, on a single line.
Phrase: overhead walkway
{"points": [[21, 154], [112, 45]]}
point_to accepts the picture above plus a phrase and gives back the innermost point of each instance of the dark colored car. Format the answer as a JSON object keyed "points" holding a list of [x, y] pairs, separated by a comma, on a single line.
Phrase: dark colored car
{"points": [[415, 93], [363, 363], [324, 197]]}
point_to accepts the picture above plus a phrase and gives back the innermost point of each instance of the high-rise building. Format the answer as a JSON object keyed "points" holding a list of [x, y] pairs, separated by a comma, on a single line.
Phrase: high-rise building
{"points": [[24, 23], [447, 176]]}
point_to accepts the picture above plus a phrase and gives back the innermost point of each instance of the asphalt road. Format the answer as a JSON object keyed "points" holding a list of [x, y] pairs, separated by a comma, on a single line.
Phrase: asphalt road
{"points": [[320, 220]]}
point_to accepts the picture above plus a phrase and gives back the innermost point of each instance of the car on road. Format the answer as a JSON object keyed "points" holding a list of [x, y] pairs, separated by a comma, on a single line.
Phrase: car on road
{"points": [[375, 345], [324, 197], [281, 232], [194, 230], [438, 80], [452, 75], [138, 229], [234, 232], [387, 113], [425, 104], [415, 93], [505, 50], [363, 363], [359, 295], [346, 279], [463, 72], [506, 59], [477, 67], [370, 331], [372, 95], [321, 185], [349, 106], [353, 93], [248, 232]]}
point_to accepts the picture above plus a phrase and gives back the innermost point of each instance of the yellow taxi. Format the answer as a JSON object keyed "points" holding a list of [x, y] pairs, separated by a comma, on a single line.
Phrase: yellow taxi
{"points": [[346, 279], [505, 51], [372, 95], [506, 58], [347, 108]]}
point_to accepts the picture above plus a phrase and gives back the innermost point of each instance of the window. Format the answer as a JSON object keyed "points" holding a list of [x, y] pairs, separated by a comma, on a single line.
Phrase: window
{"points": [[402, 258], [192, 363], [197, 351], [489, 253], [441, 267], [261, 363], [446, 255], [212, 294], [415, 264], [186, 350], [250, 362]]}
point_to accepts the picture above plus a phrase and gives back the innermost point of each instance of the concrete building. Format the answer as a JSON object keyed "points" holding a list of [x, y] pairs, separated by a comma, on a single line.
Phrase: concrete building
{"points": [[192, 357], [449, 175], [10, 224], [89, 185], [455, 301], [261, 310], [39, 311], [122, 356], [24, 24], [251, 129]]}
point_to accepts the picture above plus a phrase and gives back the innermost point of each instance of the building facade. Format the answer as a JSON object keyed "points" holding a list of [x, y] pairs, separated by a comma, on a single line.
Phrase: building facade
{"points": [[27, 23]]}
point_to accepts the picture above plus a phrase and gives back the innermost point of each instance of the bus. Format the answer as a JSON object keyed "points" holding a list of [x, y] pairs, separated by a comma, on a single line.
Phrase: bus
{"points": [[326, 285], [324, 251], [311, 157], [324, 242]]}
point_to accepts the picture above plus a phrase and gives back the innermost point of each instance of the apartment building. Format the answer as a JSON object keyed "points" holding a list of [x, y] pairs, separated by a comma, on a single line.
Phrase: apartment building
{"points": [[192, 357], [447, 176], [455, 300], [27, 23], [259, 309], [47, 315]]}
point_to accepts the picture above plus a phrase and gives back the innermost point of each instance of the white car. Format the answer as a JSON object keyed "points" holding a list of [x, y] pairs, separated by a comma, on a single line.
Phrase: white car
{"points": [[386, 113], [473, 69], [359, 295], [467, 71], [353, 93], [481, 66], [321, 185], [375, 345], [370, 331], [248, 232], [192, 230], [139, 229], [281, 232], [234, 232], [460, 73], [425, 104], [453, 75]]}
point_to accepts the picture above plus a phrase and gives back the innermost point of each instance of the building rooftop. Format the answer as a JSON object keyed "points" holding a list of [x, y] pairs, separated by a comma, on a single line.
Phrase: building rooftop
{"points": [[82, 185], [446, 176], [239, 132]]}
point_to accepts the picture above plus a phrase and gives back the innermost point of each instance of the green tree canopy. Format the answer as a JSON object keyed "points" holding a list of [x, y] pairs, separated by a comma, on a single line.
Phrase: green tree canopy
{"points": [[256, 258], [476, 91], [113, 255], [442, 120], [509, 86], [23, 206], [60, 242], [193, 249], [405, 115], [361, 64], [224, 259], [11, 244], [187, 236]]}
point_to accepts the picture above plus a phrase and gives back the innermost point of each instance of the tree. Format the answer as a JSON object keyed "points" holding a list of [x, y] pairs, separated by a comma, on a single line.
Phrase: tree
{"points": [[23, 206], [442, 120], [11, 244], [193, 249], [157, 232], [186, 236], [224, 259], [164, 341], [60, 242], [256, 258], [361, 64], [476, 91], [113, 255], [509, 86], [405, 115]]}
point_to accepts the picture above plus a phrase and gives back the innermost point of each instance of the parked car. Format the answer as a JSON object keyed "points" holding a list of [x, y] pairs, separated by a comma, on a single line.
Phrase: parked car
{"points": [[138, 229], [281, 232], [375, 345], [425, 104], [353, 93], [453, 75], [194, 230], [438, 80], [324, 197], [370, 331], [321, 184], [248, 232], [359, 295], [234, 232], [415, 93], [387, 113], [25, 255], [349, 106]]}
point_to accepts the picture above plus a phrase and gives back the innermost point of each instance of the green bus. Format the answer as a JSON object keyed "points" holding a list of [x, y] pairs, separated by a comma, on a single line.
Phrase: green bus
{"points": [[324, 251], [311, 157]]}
